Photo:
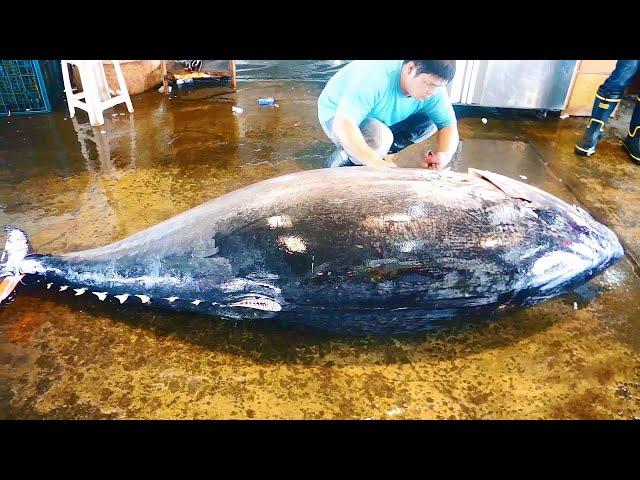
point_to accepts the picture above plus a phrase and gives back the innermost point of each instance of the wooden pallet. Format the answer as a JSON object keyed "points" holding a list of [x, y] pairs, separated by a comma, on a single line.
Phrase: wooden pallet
{"points": [[202, 78]]}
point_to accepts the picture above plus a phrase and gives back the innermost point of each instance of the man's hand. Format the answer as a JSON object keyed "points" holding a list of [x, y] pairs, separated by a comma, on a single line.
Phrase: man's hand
{"points": [[390, 159], [436, 161]]}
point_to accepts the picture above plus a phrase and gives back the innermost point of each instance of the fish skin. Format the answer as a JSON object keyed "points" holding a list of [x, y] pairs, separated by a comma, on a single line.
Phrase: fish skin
{"points": [[355, 250]]}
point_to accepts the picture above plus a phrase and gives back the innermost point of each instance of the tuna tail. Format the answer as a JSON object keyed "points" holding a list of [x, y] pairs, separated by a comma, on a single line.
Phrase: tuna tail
{"points": [[7, 287], [13, 262]]}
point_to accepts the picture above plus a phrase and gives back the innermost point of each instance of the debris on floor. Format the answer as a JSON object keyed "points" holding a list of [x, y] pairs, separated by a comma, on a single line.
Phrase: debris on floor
{"points": [[267, 102]]}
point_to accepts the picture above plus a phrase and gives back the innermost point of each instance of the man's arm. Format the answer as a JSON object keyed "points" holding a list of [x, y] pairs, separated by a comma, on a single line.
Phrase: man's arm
{"points": [[448, 140], [354, 144]]}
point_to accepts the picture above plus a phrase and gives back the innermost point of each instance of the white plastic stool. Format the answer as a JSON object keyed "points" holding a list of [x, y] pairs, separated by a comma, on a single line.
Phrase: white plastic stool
{"points": [[95, 90]]}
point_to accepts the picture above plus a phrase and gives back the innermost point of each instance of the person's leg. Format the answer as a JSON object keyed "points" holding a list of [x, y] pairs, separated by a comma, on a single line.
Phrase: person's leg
{"points": [[375, 133], [414, 129], [632, 142], [338, 157], [607, 97], [621, 77]]}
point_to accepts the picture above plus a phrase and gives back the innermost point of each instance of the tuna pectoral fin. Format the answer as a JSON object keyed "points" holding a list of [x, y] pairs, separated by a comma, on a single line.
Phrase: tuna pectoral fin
{"points": [[8, 285], [258, 302], [506, 184]]}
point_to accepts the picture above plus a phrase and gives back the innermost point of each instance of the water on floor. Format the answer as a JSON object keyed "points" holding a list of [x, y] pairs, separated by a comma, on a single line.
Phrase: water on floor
{"points": [[72, 186]]}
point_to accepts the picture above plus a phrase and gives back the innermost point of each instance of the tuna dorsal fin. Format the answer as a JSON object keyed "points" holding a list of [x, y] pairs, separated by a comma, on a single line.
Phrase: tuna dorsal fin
{"points": [[506, 184]]}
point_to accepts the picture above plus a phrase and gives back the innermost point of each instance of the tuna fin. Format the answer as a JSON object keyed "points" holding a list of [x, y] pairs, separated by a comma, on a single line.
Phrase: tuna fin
{"points": [[258, 302], [16, 249], [8, 285], [16, 258], [503, 183]]}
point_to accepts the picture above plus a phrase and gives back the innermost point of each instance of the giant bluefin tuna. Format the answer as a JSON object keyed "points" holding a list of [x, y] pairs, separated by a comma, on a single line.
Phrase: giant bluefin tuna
{"points": [[352, 250]]}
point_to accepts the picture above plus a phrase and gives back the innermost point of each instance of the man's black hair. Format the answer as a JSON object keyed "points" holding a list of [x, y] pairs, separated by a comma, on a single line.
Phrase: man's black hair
{"points": [[445, 69]]}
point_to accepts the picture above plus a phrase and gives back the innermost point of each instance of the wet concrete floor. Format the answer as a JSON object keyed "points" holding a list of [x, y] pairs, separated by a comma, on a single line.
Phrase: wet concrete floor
{"points": [[71, 186]]}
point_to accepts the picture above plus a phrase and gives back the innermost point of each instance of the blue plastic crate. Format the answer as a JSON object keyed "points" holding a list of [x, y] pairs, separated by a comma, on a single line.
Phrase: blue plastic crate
{"points": [[29, 86]]}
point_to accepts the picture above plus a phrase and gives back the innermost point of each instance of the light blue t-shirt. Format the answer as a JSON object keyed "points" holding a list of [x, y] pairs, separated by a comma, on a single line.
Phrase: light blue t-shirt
{"points": [[371, 88]]}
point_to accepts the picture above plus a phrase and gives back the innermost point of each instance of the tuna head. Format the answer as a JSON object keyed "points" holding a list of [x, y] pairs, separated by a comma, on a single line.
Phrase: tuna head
{"points": [[571, 246]]}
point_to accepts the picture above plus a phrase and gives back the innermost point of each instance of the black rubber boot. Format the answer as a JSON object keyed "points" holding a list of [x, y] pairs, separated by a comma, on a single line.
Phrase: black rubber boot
{"points": [[602, 108], [632, 142], [413, 129]]}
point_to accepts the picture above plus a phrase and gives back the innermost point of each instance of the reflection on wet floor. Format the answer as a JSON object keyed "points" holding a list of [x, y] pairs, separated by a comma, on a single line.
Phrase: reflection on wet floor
{"points": [[72, 186]]}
